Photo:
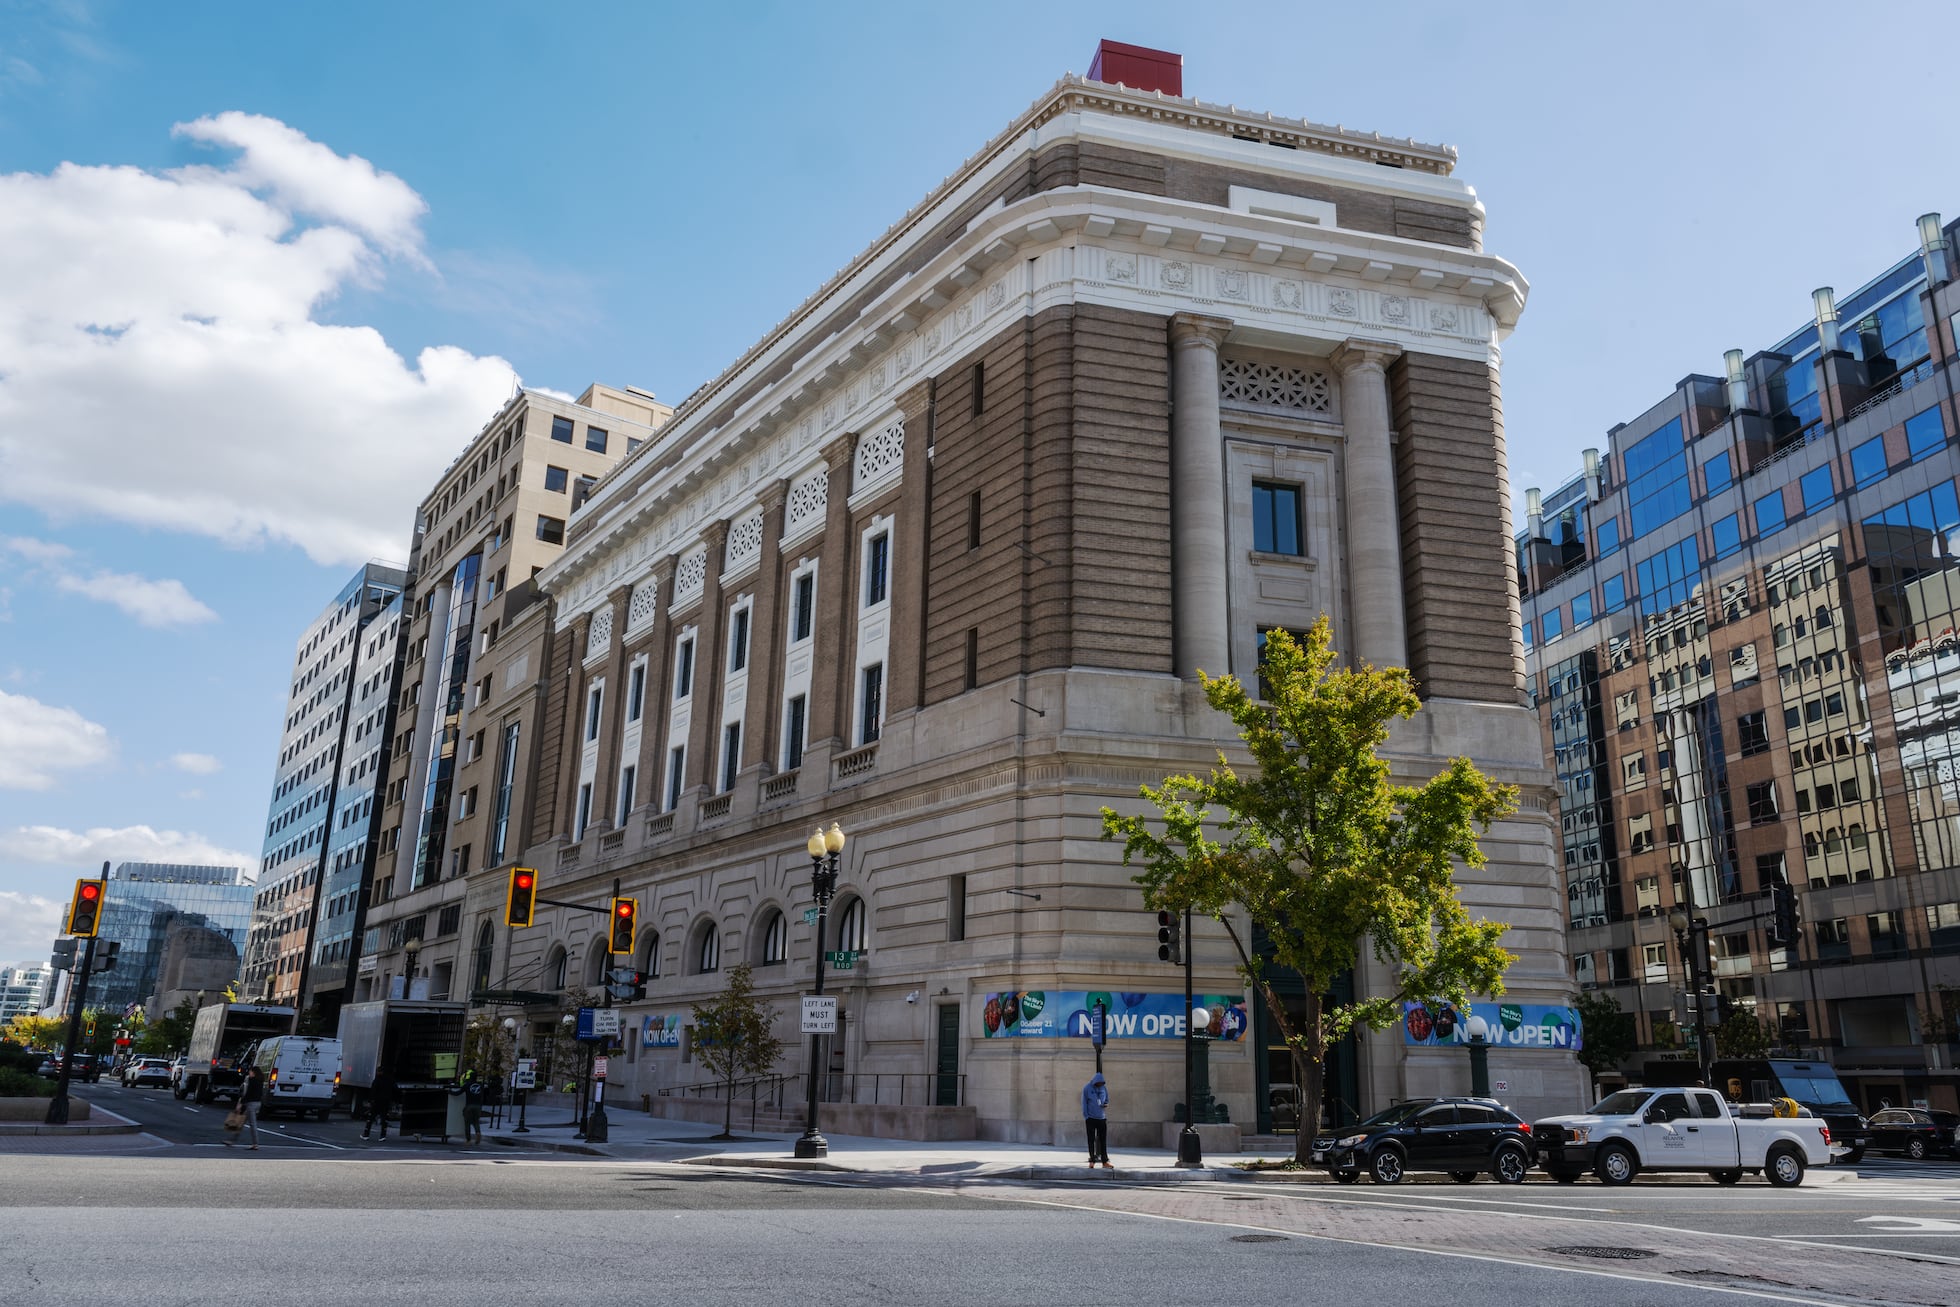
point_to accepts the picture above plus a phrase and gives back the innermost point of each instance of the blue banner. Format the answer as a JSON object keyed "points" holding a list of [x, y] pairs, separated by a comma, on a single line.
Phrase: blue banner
{"points": [[1510, 1025], [1067, 1014], [659, 1031]]}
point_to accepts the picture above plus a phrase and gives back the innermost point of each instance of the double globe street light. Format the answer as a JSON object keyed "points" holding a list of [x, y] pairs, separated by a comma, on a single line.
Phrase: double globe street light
{"points": [[824, 848]]}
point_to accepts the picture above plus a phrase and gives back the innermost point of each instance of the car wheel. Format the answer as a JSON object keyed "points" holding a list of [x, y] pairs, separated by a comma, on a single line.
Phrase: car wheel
{"points": [[1726, 1177], [1464, 1177], [1509, 1165], [1564, 1174], [1347, 1177], [1616, 1165], [1784, 1168], [1916, 1149], [1854, 1157], [1386, 1166], [177, 1092]]}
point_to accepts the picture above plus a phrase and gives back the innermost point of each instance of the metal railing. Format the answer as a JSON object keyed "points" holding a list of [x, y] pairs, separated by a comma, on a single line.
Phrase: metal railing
{"points": [[1896, 384]]}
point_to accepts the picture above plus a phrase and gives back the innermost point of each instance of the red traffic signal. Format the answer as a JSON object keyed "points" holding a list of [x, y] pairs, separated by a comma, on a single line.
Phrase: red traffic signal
{"points": [[520, 902], [85, 909], [624, 911]]}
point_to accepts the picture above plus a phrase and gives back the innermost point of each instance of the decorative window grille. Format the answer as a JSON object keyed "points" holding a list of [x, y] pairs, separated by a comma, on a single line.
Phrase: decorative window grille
{"points": [[744, 542], [640, 610], [691, 575], [599, 638], [808, 498], [1272, 385], [879, 455]]}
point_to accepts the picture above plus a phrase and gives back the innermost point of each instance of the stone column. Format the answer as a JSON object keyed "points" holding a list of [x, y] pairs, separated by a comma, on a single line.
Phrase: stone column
{"points": [[836, 616], [710, 667], [1374, 550], [763, 713], [1200, 617]]}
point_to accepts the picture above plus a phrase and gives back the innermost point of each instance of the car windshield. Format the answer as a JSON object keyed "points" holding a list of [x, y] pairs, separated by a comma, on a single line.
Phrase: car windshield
{"points": [[1624, 1103], [1391, 1115]]}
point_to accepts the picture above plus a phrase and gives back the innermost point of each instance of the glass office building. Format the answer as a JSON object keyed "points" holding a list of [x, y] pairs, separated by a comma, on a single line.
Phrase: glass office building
{"points": [[144, 900], [1740, 622]]}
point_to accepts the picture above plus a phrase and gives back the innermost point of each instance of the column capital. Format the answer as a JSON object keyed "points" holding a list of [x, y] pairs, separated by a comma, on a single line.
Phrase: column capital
{"points": [[1356, 353], [715, 534], [1199, 329], [837, 454], [773, 496]]}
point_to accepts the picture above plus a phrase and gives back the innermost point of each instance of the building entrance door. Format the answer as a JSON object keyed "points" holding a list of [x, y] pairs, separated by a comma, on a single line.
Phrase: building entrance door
{"points": [[946, 1068]]}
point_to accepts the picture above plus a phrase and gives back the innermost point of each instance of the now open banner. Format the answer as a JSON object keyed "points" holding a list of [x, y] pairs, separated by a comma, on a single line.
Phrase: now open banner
{"points": [[659, 1031], [1512, 1025], [1064, 1014]]}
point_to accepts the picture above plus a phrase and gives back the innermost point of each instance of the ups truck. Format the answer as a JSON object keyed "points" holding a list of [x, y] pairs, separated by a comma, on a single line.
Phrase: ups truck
{"points": [[222, 1034]]}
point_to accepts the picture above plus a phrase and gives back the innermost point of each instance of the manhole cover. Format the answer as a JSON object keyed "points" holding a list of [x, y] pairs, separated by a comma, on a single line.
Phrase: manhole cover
{"points": [[1605, 1252], [1258, 1238]]}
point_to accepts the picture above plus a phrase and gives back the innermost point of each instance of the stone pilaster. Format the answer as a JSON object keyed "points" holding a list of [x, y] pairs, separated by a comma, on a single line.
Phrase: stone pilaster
{"points": [[1201, 617], [836, 627], [768, 628], [710, 665], [906, 650], [1374, 551]]}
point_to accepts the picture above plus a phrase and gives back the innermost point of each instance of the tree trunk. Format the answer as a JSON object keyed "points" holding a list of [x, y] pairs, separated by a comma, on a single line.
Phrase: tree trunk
{"points": [[1309, 1064], [728, 1116]]}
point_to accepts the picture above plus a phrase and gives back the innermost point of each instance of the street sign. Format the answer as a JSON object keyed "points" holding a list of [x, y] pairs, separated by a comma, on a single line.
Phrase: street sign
{"points": [[526, 1075], [598, 1068], [819, 1014], [809, 919], [598, 1022], [1098, 1035], [841, 959]]}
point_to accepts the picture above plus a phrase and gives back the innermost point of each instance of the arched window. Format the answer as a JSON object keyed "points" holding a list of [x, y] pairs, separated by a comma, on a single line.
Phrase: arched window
{"points": [[554, 969], [597, 962], [850, 926], [775, 940], [650, 955], [485, 951], [707, 949]]}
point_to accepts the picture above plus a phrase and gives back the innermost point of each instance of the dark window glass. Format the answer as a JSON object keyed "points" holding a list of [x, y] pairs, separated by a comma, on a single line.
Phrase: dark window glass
{"points": [[871, 703], [793, 736], [551, 530], [1769, 513], [1753, 730], [1613, 593], [738, 641], [561, 430], [803, 606], [731, 756], [1716, 473], [1608, 532], [595, 440], [684, 670], [877, 569], [1925, 432], [1275, 518], [1727, 535], [1816, 488], [636, 689], [1669, 578], [1868, 462], [675, 773], [555, 478]]}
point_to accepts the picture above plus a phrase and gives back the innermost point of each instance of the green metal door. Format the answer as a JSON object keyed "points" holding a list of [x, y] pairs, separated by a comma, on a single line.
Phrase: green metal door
{"points": [[946, 1078]]}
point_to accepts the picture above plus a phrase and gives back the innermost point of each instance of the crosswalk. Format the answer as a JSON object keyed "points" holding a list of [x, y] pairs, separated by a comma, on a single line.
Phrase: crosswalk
{"points": [[1929, 1181]]}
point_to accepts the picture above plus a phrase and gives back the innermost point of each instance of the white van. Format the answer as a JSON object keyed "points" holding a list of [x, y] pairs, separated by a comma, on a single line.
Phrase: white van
{"points": [[302, 1074]]}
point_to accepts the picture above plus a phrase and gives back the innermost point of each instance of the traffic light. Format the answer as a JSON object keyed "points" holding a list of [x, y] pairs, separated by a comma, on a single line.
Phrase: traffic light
{"points": [[105, 960], [623, 913], [521, 902], [88, 1025], [1724, 1009], [1782, 930], [639, 985], [63, 958], [85, 912], [1170, 947]]}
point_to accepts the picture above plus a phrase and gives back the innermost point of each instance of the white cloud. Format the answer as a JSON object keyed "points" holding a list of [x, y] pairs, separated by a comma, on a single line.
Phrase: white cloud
{"points": [[153, 603], [88, 850], [163, 324], [38, 740], [197, 764], [28, 926]]}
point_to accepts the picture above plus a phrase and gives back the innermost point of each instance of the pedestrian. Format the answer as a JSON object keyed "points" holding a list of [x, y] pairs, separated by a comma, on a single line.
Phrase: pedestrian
{"points": [[250, 1095], [381, 1097], [1095, 1120], [474, 1093]]}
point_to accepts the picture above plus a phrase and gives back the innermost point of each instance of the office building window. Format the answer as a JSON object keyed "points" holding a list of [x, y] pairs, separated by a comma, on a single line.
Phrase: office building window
{"points": [[1753, 729], [1727, 535], [556, 478], [594, 699], [1657, 479], [1769, 513], [582, 491], [1669, 577], [595, 440], [775, 940], [1762, 801], [877, 569], [627, 780], [506, 780], [1276, 518], [636, 692], [1716, 472], [955, 909], [1925, 433], [972, 657], [871, 702], [584, 817], [1607, 532], [1613, 594], [1868, 462], [731, 756], [803, 607], [1581, 610], [738, 641], [707, 957], [675, 771], [793, 733], [1553, 623], [1816, 488], [561, 430], [973, 520], [551, 530], [684, 669]]}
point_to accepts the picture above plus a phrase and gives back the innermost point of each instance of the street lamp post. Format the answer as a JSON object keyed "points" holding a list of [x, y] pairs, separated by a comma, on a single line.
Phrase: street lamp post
{"points": [[824, 848], [516, 1055], [1691, 934], [413, 947], [1476, 1034]]}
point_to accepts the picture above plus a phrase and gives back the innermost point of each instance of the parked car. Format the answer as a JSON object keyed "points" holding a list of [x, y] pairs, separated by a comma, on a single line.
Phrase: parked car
{"points": [[1914, 1131], [141, 1071], [50, 1066], [1664, 1129], [1463, 1137], [85, 1068]]}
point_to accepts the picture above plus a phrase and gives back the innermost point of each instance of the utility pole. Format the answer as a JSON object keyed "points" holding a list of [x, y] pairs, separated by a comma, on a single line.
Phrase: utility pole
{"points": [[58, 1105]]}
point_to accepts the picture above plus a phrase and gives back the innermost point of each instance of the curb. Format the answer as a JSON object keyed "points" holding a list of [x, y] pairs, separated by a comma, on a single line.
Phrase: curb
{"points": [[26, 1128], [547, 1146], [776, 1164]]}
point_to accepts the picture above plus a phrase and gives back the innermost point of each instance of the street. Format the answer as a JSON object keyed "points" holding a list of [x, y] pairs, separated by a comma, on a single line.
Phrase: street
{"points": [[167, 1216]]}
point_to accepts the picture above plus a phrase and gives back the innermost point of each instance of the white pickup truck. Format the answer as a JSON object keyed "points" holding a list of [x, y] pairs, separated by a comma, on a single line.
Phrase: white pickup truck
{"points": [[1639, 1130]]}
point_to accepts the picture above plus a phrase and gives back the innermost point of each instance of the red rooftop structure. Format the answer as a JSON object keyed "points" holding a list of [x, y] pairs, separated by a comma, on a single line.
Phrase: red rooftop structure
{"points": [[1139, 68]]}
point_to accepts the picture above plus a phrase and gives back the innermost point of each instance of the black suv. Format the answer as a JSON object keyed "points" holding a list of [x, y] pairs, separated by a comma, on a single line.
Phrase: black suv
{"points": [[1461, 1136]]}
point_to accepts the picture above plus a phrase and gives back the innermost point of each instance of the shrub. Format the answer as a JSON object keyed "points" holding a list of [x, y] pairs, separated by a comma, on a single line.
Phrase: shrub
{"points": [[24, 1084]]}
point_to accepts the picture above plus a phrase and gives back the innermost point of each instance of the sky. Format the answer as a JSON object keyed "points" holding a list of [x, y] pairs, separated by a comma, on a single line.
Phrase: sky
{"points": [[264, 270]]}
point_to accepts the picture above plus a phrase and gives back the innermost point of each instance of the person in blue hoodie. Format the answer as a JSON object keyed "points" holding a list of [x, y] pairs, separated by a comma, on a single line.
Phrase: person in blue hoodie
{"points": [[1095, 1119]]}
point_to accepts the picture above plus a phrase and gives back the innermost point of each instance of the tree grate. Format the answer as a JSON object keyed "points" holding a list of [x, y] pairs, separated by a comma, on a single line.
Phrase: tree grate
{"points": [[1604, 1252]]}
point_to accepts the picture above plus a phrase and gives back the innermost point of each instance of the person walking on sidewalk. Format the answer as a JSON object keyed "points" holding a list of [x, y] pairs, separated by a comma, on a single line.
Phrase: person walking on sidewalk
{"points": [[1095, 1120], [473, 1096], [250, 1095], [381, 1097]]}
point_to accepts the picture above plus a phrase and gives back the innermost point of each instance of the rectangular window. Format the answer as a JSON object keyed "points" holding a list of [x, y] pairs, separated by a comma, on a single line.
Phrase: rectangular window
{"points": [[972, 657], [1762, 801], [1753, 728], [803, 608], [973, 520], [1716, 472], [1613, 594], [877, 569], [556, 478], [799, 708], [1276, 518], [636, 692], [627, 777], [1727, 535], [738, 641], [633, 443], [551, 530], [594, 698], [595, 440], [584, 817], [1657, 479], [1816, 488], [506, 780], [675, 770], [684, 669], [955, 909], [1607, 533], [1769, 513], [1868, 462], [1581, 610], [561, 430], [979, 388], [871, 702], [731, 756], [1925, 433], [1554, 624]]}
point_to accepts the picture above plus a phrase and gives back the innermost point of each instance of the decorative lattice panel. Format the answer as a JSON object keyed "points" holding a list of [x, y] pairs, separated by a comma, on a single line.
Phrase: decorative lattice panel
{"points": [[808, 498], [878, 454], [645, 601], [599, 638], [691, 575], [1273, 385], [744, 542]]}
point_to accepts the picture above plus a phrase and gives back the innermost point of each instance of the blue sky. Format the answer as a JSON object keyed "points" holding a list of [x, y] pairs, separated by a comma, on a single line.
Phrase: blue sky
{"points": [[202, 435]]}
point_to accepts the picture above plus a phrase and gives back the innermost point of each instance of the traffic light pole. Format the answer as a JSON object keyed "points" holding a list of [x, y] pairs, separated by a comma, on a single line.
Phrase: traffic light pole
{"points": [[1190, 1147], [58, 1105]]}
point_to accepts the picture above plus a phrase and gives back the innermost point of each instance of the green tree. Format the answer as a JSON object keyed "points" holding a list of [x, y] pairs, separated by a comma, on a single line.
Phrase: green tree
{"points": [[1742, 1036], [169, 1034], [734, 1036], [49, 1034], [1610, 1033], [1322, 852]]}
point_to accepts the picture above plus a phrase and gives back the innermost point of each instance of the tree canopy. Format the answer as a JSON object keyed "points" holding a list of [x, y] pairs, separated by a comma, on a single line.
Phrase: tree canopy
{"points": [[734, 1035]]}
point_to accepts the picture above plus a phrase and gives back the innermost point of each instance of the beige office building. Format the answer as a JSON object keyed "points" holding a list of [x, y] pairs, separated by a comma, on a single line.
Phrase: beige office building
{"points": [[938, 560]]}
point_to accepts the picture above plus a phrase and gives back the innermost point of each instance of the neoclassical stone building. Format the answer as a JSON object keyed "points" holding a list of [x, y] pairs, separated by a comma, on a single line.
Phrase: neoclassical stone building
{"points": [[939, 558]]}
